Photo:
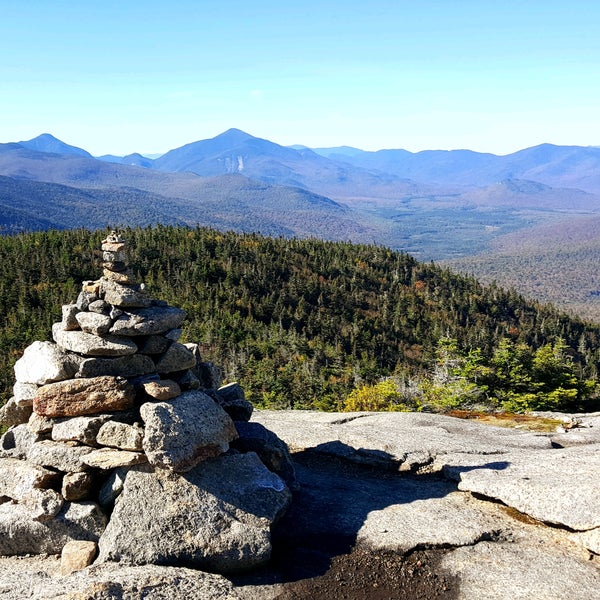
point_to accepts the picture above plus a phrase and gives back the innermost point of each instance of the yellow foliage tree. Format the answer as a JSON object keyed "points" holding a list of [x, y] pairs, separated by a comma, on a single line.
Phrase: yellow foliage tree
{"points": [[383, 396]]}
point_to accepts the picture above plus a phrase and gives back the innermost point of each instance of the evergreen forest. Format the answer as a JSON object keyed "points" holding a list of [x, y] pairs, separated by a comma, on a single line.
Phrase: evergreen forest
{"points": [[311, 324]]}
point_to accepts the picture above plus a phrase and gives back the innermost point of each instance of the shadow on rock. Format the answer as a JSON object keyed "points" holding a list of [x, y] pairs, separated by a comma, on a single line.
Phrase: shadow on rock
{"points": [[332, 505]]}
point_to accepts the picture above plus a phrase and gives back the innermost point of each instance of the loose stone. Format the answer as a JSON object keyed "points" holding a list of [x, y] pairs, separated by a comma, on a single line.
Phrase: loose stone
{"points": [[92, 322], [176, 358], [69, 312], [107, 458], [77, 555], [120, 435], [165, 389], [77, 486]]}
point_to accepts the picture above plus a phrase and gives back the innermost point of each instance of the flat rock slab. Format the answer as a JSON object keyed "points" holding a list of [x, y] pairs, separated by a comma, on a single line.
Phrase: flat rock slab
{"points": [[89, 344], [503, 571], [217, 516], [21, 534], [77, 397], [132, 365], [408, 440], [57, 455], [559, 486], [185, 431], [148, 321], [385, 510], [109, 458], [38, 579]]}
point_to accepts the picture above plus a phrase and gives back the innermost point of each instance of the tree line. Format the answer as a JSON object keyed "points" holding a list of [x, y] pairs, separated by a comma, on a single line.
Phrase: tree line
{"points": [[311, 324]]}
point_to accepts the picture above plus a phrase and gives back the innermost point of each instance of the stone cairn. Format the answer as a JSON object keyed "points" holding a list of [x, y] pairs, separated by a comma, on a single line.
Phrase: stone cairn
{"points": [[122, 446]]}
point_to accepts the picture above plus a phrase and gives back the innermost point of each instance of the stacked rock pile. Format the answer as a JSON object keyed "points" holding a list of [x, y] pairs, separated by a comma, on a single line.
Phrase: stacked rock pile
{"points": [[120, 435]]}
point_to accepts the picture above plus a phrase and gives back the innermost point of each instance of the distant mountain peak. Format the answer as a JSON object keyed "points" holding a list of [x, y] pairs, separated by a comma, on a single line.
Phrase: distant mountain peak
{"points": [[46, 142]]}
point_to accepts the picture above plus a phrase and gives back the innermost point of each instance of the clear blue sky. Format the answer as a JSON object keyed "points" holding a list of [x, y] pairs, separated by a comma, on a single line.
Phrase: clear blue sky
{"points": [[147, 76]]}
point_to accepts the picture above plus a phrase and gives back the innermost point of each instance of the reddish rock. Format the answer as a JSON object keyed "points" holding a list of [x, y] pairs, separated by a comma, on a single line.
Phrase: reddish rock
{"points": [[75, 397], [165, 389], [77, 555]]}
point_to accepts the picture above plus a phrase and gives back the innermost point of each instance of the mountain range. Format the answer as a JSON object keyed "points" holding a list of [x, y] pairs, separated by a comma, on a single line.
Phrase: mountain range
{"points": [[435, 204]]}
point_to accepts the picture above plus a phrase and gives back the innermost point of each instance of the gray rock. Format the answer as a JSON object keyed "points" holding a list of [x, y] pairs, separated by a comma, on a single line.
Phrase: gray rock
{"points": [[39, 424], [209, 375], [45, 362], [13, 413], [187, 380], [24, 393], [42, 504], [56, 455], [216, 517], [95, 323], [132, 365], [100, 307], [69, 321], [408, 441], [40, 581], [153, 344], [77, 486], [495, 571], [176, 358], [17, 441], [21, 534], [272, 451], [124, 296], [84, 299], [109, 458], [91, 345], [17, 478], [148, 321], [174, 335], [231, 397], [557, 486], [112, 487], [78, 429], [121, 435], [185, 431]]}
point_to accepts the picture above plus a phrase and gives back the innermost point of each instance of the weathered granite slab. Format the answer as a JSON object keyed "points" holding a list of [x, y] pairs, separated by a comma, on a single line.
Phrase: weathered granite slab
{"points": [[45, 362], [92, 345], [57, 455], [148, 321], [503, 571], [132, 365], [559, 486], [109, 458], [21, 534], [407, 440], [78, 429], [18, 477], [217, 516], [185, 431], [41, 581]]}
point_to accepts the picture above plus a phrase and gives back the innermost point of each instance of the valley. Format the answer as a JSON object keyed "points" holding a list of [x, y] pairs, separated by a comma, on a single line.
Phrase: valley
{"points": [[471, 211]]}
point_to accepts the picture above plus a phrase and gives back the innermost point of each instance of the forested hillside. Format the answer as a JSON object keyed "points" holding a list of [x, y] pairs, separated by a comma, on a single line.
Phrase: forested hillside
{"points": [[314, 324]]}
